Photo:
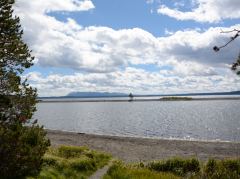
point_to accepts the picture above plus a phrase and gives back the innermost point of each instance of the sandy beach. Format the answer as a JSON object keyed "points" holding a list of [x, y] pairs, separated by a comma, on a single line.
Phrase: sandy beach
{"points": [[131, 149]]}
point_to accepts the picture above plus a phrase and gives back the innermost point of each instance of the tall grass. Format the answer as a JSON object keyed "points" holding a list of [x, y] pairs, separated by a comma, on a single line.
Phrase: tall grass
{"points": [[72, 162], [176, 168], [80, 162], [120, 171], [222, 169]]}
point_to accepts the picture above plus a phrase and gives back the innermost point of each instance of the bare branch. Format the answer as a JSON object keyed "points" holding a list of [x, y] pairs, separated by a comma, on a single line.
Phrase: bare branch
{"points": [[234, 30], [216, 48]]}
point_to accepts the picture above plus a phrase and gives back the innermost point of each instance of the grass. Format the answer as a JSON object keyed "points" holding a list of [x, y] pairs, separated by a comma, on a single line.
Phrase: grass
{"points": [[175, 98], [222, 169], [121, 171], [71, 162], [80, 162], [176, 168]]}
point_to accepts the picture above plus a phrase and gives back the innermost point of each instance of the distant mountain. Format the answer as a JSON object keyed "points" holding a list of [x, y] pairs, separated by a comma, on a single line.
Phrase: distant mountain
{"points": [[107, 94], [95, 94]]}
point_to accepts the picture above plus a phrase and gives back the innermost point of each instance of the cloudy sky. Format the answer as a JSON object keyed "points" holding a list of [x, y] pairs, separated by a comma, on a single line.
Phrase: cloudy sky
{"points": [[138, 46]]}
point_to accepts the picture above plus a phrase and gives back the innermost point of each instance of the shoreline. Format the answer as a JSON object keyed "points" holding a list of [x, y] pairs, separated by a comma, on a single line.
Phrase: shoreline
{"points": [[142, 137], [135, 149], [137, 100]]}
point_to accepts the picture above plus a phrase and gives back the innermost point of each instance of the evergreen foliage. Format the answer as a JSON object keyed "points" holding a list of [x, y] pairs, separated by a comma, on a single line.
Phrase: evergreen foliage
{"points": [[22, 144]]}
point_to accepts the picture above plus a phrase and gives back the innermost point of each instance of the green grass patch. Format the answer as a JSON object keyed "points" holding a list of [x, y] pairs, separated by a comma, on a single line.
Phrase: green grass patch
{"points": [[176, 168], [72, 162], [80, 162], [71, 151], [121, 171]]}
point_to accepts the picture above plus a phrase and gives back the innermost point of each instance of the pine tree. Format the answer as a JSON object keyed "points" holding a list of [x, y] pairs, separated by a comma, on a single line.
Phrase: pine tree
{"points": [[22, 144], [19, 99], [236, 65]]}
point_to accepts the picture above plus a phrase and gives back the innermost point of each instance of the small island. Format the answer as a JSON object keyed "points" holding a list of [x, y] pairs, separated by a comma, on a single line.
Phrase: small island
{"points": [[175, 98]]}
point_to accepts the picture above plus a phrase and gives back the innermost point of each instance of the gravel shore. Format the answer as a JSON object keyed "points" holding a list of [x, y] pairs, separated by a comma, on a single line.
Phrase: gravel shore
{"points": [[131, 149]]}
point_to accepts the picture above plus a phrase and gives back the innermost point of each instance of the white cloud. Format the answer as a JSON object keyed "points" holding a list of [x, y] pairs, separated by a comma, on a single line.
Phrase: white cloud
{"points": [[106, 53], [149, 1], [193, 45], [103, 49], [211, 11], [134, 80], [186, 68], [41, 6]]}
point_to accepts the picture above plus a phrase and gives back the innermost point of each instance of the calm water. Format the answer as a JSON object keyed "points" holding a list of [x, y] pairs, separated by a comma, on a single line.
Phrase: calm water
{"points": [[204, 120]]}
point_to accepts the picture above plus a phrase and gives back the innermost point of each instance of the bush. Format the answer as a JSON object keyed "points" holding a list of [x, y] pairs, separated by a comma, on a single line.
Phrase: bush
{"points": [[223, 169], [177, 166], [21, 150], [232, 165]]}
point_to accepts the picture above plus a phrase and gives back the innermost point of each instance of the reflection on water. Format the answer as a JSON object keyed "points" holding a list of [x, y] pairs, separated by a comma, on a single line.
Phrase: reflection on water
{"points": [[204, 120]]}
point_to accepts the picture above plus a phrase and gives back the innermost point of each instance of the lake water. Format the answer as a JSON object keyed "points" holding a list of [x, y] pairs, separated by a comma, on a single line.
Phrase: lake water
{"points": [[200, 120]]}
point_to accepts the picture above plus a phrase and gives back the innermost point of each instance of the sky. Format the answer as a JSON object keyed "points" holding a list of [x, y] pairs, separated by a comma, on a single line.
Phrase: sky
{"points": [[137, 46]]}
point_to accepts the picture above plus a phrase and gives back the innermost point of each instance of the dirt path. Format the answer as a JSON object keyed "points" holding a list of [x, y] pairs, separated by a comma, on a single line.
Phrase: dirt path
{"points": [[132, 149], [101, 172]]}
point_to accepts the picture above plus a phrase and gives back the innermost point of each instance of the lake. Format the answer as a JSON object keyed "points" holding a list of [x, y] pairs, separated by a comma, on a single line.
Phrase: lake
{"points": [[191, 120]]}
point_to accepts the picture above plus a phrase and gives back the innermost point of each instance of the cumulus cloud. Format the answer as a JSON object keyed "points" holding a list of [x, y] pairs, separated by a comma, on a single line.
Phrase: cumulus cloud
{"points": [[185, 68], [134, 80], [41, 6], [211, 11], [194, 45], [106, 54], [103, 49]]}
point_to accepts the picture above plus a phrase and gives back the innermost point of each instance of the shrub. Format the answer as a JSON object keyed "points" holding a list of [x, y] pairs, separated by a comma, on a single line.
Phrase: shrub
{"points": [[21, 150], [177, 166], [222, 169], [232, 165]]}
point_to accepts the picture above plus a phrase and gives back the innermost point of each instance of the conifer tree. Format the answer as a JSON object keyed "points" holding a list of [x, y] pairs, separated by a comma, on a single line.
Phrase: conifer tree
{"points": [[22, 143]]}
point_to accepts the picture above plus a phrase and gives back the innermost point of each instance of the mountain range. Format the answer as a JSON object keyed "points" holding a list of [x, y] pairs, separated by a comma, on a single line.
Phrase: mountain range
{"points": [[109, 94]]}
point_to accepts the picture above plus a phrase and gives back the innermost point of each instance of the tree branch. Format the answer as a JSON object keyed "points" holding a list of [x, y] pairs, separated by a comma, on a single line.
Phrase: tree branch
{"points": [[216, 48]]}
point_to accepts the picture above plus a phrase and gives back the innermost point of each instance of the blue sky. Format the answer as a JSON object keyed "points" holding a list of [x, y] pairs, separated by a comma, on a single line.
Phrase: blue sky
{"points": [[124, 14], [139, 46], [135, 13]]}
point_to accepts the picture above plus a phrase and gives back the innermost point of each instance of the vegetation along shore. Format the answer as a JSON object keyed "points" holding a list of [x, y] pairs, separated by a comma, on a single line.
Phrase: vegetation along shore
{"points": [[111, 157]]}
